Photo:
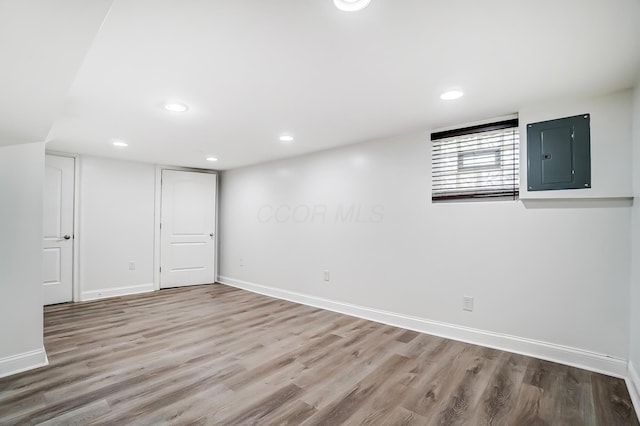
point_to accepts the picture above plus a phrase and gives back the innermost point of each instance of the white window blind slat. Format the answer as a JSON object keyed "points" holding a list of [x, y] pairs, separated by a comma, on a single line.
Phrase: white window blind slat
{"points": [[482, 164]]}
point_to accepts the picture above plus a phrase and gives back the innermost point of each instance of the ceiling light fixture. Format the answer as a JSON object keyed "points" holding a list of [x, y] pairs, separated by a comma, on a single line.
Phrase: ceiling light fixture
{"points": [[212, 159], [351, 5], [451, 95], [120, 144], [175, 107], [286, 138]]}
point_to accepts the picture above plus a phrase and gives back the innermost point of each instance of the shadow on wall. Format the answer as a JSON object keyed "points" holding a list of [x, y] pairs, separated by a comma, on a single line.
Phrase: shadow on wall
{"points": [[594, 203]]}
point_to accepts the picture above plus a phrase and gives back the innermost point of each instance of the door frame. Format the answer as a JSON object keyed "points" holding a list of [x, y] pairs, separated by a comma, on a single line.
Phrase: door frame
{"points": [[75, 256], [157, 214]]}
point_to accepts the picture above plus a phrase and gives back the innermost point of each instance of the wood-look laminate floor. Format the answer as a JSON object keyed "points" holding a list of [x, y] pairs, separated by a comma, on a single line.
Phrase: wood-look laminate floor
{"points": [[221, 356]]}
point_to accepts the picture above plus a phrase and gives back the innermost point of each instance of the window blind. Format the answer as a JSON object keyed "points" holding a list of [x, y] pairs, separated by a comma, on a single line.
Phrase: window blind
{"points": [[476, 162]]}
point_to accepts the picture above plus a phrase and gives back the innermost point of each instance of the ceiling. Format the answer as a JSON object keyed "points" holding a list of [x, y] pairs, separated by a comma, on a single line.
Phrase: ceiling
{"points": [[251, 70], [42, 45]]}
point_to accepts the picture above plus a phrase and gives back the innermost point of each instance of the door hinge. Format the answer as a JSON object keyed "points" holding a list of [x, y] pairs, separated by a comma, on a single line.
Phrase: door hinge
{"points": [[160, 225], [161, 269]]}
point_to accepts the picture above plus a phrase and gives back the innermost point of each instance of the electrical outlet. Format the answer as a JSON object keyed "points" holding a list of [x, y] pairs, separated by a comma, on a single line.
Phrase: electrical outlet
{"points": [[467, 303], [132, 266], [327, 277]]}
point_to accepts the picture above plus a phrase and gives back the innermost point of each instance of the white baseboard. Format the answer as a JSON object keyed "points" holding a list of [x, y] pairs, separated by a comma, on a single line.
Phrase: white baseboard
{"points": [[549, 351], [25, 361], [114, 292], [633, 384]]}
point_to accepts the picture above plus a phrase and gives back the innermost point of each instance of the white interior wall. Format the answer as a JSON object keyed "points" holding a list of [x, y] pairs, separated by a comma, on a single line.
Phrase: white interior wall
{"points": [[634, 356], [21, 192], [551, 275], [116, 227]]}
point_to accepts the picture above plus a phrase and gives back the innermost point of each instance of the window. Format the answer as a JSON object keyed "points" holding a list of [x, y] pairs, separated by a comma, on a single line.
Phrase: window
{"points": [[476, 162]]}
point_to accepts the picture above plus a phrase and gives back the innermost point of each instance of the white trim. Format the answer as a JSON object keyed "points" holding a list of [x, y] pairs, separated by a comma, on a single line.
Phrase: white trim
{"points": [[156, 228], [114, 292], [633, 384], [76, 230], [25, 361], [574, 357], [157, 244]]}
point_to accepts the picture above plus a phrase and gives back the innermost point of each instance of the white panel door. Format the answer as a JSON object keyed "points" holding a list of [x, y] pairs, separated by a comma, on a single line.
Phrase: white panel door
{"points": [[187, 221], [57, 257]]}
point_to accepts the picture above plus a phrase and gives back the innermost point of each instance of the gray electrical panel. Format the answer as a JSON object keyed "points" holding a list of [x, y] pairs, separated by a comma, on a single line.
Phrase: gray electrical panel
{"points": [[559, 154]]}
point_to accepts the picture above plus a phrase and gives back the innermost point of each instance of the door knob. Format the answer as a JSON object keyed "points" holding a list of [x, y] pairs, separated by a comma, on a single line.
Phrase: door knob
{"points": [[66, 237]]}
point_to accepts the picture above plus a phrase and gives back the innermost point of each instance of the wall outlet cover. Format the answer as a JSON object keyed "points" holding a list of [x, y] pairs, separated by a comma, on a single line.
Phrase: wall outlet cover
{"points": [[467, 303]]}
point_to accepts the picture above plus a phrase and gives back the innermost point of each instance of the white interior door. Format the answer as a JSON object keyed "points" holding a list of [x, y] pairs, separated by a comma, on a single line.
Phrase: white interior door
{"points": [[187, 228], [58, 230]]}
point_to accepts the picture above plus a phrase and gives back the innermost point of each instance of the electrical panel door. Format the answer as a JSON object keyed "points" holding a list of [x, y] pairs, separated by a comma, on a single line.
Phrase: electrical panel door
{"points": [[559, 154]]}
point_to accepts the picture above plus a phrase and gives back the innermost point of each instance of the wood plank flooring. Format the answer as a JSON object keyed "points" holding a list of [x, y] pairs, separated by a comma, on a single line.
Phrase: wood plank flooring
{"points": [[215, 355]]}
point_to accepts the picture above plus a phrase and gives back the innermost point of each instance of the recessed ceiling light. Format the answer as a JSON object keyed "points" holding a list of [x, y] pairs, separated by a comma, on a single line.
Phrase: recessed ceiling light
{"points": [[212, 159], [452, 95], [351, 5], [176, 107], [286, 138], [120, 144]]}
